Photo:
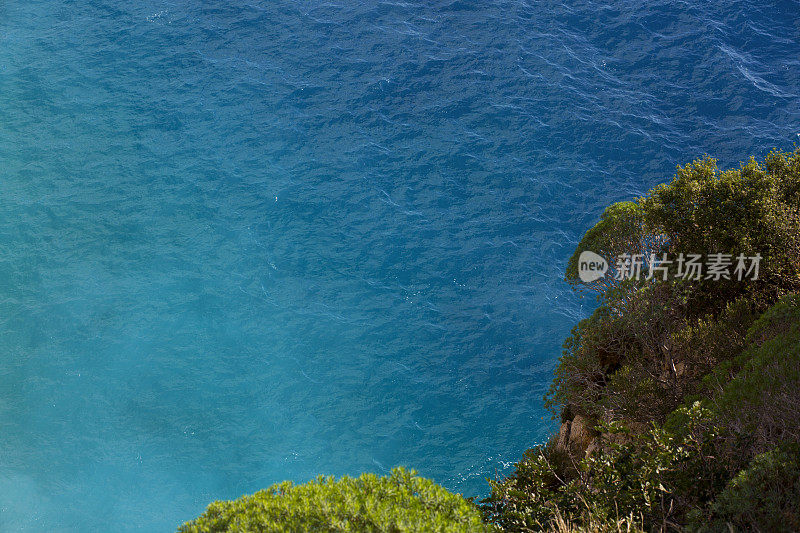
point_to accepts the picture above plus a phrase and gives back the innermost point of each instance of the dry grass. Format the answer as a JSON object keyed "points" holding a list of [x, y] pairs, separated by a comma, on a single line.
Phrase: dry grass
{"points": [[622, 525]]}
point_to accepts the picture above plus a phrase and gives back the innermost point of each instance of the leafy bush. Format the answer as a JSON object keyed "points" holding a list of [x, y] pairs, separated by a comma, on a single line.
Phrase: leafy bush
{"points": [[649, 372], [764, 497], [541, 489], [640, 361], [656, 476], [596, 347], [401, 502], [623, 343], [760, 404], [781, 319], [659, 474], [712, 340], [751, 210], [621, 229]]}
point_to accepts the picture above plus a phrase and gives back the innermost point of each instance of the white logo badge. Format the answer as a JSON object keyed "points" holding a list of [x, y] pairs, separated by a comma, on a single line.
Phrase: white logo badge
{"points": [[591, 266]]}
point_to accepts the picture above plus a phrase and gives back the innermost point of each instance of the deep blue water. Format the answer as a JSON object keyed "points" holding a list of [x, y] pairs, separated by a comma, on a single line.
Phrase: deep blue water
{"points": [[242, 242]]}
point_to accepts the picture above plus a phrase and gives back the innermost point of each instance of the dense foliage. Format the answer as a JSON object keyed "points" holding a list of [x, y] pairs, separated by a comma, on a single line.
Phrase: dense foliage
{"points": [[691, 384], [401, 502]]}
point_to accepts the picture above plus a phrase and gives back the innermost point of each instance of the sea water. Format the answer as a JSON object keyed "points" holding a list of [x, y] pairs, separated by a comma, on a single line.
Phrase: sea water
{"points": [[249, 241]]}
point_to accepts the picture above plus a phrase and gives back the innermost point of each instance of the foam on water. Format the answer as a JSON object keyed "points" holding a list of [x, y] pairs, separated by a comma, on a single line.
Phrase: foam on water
{"points": [[248, 242]]}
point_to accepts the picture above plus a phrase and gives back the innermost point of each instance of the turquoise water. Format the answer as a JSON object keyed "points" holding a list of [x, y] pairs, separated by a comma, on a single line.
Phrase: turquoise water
{"points": [[247, 242]]}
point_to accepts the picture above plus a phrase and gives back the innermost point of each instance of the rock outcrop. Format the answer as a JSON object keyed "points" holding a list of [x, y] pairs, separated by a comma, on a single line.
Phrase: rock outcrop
{"points": [[576, 436]]}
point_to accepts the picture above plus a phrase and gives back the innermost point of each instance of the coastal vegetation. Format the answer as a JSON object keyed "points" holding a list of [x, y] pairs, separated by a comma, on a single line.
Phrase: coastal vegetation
{"points": [[399, 503], [679, 398]]}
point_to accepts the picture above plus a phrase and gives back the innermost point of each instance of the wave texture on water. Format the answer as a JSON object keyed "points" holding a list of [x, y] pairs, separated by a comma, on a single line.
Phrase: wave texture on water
{"points": [[245, 242]]}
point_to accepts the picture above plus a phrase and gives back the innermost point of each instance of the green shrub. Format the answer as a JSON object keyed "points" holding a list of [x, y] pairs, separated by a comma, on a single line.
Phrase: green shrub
{"points": [[620, 230], [647, 385], [712, 340], [596, 347], [760, 406], [750, 210], [781, 319], [401, 502], [618, 346], [541, 488], [764, 497], [754, 209], [656, 476]]}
